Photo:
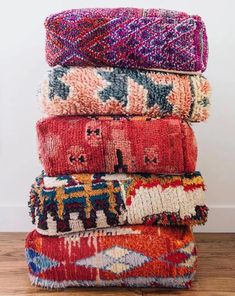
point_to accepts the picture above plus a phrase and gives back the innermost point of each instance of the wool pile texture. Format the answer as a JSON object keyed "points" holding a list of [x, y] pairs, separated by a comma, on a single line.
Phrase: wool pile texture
{"points": [[79, 202], [76, 144], [119, 194], [127, 38], [120, 91], [137, 256]]}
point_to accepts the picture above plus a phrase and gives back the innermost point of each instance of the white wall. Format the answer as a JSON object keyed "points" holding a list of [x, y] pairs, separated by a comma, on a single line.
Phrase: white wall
{"points": [[23, 66]]}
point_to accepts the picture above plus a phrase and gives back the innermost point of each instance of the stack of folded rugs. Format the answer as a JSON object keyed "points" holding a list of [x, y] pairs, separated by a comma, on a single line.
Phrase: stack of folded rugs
{"points": [[119, 193]]}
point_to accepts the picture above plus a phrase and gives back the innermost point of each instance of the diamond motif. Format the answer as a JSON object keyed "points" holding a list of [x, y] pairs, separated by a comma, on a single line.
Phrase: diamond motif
{"points": [[116, 252], [180, 257], [115, 259]]}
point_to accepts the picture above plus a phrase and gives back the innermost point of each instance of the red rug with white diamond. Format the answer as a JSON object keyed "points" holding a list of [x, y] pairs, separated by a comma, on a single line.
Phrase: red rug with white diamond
{"points": [[138, 256]]}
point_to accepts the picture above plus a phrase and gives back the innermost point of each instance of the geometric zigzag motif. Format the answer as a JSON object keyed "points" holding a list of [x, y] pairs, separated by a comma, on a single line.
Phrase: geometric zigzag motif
{"points": [[127, 38]]}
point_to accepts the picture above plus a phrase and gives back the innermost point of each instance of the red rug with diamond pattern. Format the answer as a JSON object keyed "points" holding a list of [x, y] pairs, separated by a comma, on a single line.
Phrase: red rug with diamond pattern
{"points": [[137, 256]]}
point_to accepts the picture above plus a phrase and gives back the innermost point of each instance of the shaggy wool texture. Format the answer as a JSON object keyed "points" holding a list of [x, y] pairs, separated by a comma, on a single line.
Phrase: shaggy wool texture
{"points": [[79, 202], [127, 37], [138, 256], [73, 144], [118, 91]]}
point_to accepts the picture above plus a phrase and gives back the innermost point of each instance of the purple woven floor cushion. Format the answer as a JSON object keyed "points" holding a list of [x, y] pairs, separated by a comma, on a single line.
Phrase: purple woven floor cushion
{"points": [[127, 37]]}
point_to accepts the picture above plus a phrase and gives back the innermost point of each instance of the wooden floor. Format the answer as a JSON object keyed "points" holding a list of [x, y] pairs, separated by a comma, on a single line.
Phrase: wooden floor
{"points": [[215, 275]]}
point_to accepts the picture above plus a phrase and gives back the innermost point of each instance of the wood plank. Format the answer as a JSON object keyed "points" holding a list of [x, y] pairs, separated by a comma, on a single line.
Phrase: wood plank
{"points": [[215, 275]]}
